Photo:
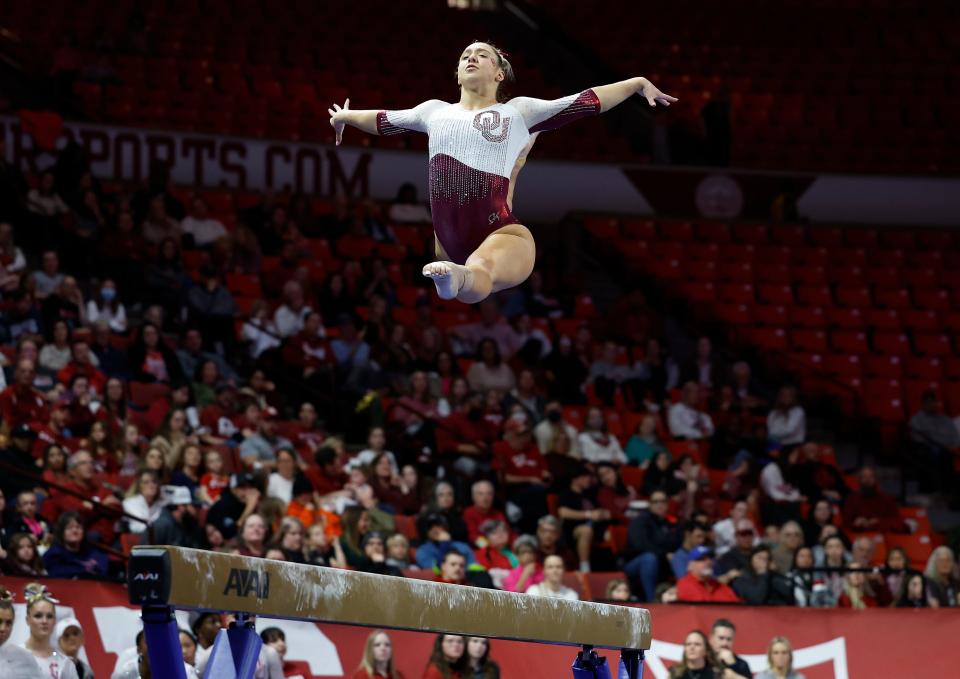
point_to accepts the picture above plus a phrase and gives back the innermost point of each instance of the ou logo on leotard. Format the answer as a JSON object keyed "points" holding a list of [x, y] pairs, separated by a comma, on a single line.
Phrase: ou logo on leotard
{"points": [[487, 122]]}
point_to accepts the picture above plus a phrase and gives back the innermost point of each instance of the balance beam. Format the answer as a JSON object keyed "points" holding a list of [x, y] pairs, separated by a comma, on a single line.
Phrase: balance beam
{"points": [[175, 577]]}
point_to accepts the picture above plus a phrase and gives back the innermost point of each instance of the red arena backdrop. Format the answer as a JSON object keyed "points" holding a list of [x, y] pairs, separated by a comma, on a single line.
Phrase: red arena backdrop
{"points": [[835, 644]]}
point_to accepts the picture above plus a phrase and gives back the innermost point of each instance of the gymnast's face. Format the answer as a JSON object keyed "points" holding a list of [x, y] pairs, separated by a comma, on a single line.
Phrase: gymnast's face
{"points": [[479, 64], [6, 624]]}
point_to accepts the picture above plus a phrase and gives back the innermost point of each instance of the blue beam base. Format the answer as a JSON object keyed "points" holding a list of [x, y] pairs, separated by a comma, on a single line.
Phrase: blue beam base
{"points": [[590, 665], [235, 653], [163, 642], [631, 665]]}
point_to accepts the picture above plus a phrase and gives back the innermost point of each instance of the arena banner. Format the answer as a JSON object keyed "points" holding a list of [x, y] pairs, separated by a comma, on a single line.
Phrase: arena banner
{"points": [[549, 189], [828, 644]]}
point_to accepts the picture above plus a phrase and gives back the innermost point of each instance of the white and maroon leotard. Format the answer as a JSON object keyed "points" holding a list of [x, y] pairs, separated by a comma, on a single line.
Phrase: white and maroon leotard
{"points": [[472, 154]]}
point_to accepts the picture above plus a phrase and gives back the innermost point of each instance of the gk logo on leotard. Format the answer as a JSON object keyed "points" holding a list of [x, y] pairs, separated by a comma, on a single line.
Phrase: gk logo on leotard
{"points": [[487, 122]]}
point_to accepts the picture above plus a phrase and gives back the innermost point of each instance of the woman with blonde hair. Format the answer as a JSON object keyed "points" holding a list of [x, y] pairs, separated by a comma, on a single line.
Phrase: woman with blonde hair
{"points": [[143, 501], [855, 592], [17, 661], [41, 619], [943, 576], [377, 662], [780, 659]]}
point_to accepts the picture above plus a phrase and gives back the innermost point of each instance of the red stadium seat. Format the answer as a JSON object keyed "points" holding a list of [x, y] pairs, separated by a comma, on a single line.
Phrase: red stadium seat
{"points": [[736, 293], [810, 275], [883, 319], [774, 339], [920, 321], [892, 298], [777, 274], [788, 235], [923, 368], [807, 257], [754, 234], [808, 340], [848, 319], [808, 317], [889, 367], [770, 315], [849, 342], [933, 299], [891, 343], [854, 297], [826, 236], [811, 295], [930, 344], [776, 294], [844, 366], [734, 314]]}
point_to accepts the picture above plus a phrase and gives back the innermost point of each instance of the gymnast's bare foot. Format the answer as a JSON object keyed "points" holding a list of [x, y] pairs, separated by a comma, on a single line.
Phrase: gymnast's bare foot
{"points": [[448, 277]]}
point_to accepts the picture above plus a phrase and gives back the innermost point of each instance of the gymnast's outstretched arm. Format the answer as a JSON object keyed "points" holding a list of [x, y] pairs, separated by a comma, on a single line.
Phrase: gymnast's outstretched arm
{"points": [[379, 121], [616, 93]]}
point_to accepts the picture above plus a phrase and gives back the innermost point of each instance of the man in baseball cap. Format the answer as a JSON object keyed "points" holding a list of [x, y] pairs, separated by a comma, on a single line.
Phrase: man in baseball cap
{"points": [[177, 524], [699, 584]]}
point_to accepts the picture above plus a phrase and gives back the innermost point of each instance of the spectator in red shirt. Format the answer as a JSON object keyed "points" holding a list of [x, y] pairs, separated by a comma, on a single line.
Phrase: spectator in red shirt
{"points": [[99, 510], [82, 364], [218, 417], [481, 511], [870, 509], [305, 433], [699, 584], [20, 403], [496, 556], [79, 416], [856, 594], [449, 658], [328, 476], [53, 432], [524, 472], [466, 435], [308, 352]]}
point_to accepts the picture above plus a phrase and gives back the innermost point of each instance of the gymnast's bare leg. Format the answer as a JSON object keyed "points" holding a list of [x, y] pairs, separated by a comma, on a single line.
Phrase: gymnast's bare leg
{"points": [[504, 260]]}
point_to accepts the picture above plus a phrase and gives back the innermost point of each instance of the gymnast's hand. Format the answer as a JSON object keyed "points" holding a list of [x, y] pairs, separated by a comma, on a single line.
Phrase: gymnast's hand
{"points": [[654, 96], [338, 118]]}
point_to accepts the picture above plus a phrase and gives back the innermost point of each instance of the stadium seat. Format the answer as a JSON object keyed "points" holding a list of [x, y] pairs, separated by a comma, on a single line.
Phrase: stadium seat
{"points": [[848, 319], [892, 298], [849, 342], [932, 345], [888, 367], [776, 294], [891, 343], [808, 317], [814, 295]]}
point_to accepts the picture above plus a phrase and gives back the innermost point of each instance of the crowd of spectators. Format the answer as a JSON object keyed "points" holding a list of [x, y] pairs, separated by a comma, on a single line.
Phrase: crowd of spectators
{"points": [[140, 403]]}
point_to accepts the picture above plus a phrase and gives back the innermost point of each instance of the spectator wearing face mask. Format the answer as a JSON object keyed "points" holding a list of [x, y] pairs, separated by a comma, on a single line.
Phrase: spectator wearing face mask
{"points": [[552, 424], [105, 306]]}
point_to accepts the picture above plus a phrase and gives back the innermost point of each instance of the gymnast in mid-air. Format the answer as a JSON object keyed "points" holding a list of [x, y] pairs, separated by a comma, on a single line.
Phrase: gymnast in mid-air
{"points": [[477, 148]]}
